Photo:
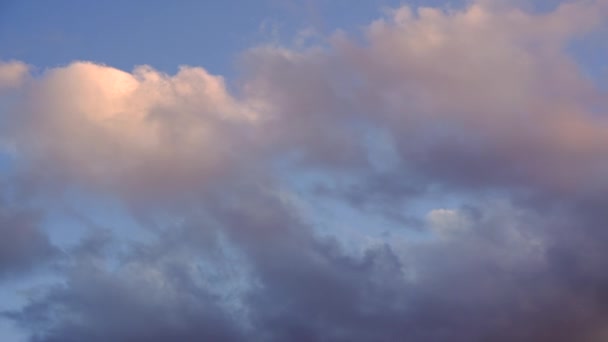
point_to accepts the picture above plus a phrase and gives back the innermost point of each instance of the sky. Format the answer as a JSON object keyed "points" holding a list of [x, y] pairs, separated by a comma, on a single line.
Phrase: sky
{"points": [[303, 170]]}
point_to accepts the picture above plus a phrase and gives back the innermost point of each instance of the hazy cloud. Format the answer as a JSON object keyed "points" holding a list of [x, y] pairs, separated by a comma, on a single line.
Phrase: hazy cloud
{"points": [[23, 245]]}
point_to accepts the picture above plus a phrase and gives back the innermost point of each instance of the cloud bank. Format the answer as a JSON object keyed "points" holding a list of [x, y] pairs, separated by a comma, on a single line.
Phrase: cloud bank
{"points": [[472, 136]]}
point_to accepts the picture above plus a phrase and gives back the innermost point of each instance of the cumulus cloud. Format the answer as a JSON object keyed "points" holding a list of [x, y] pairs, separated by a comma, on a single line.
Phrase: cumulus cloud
{"points": [[461, 92], [12, 74], [495, 146], [107, 128]]}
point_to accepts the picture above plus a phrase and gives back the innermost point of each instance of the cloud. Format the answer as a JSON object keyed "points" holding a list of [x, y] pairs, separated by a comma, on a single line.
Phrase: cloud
{"points": [[481, 88], [12, 74], [502, 279], [106, 128], [24, 245], [496, 145]]}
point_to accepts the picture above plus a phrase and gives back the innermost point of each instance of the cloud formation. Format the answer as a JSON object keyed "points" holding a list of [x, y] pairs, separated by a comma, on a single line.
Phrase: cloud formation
{"points": [[482, 107], [12, 74], [104, 127], [24, 245]]}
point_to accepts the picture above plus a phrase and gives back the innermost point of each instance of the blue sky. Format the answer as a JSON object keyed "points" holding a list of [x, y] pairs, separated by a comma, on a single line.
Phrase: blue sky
{"points": [[151, 32], [259, 188], [207, 33]]}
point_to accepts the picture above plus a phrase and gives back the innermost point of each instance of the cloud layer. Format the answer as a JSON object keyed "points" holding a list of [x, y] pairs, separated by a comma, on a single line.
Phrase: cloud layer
{"points": [[469, 138]]}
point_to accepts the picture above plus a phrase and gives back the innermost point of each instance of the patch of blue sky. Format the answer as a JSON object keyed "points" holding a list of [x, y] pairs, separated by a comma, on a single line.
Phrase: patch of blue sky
{"points": [[125, 34], [8, 332], [591, 55], [80, 215], [332, 217], [15, 292], [7, 161], [211, 34]]}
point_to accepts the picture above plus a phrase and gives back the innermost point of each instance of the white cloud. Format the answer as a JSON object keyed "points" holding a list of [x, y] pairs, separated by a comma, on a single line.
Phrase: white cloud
{"points": [[446, 222], [140, 130], [12, 74]]}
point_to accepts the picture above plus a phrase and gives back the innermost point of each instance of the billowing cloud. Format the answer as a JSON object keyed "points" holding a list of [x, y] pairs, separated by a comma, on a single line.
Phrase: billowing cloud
{"points": [[481, 96], [474, 127], [12, 74], [104, 127]]}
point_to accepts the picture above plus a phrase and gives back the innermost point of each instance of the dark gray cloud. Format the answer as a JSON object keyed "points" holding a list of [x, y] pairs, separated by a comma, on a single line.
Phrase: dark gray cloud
{"points": [[261, 274], [23, 245]]}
